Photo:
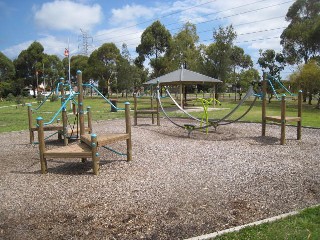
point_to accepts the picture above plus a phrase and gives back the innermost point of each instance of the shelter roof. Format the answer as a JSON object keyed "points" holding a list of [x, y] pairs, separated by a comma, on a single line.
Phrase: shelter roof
{"points": [[182, 76]]}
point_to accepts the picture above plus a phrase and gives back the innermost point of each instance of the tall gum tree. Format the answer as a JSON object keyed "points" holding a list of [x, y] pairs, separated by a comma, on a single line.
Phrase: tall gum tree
{"points": [[300, 40], [184, 52], [7, 73], [155, 43], [27, 64], [103, 65]]}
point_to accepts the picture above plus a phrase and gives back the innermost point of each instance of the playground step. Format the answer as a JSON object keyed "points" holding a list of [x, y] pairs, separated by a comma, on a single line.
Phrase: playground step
{"points": [[147, 111], [287, 119], [79, 150], [51, 127], [106, 138]]}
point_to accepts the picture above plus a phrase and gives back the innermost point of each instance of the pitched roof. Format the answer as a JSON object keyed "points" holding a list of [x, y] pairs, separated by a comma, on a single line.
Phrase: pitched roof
{"points": [[182, 76]]}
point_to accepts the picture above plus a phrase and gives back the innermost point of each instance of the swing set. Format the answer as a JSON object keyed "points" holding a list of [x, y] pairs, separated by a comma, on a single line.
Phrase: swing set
{"points": [[208, 122]]}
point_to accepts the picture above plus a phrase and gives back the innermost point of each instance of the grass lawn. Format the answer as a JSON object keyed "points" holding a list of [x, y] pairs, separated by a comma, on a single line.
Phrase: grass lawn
{"points": [[14, 118], [305, 225]]}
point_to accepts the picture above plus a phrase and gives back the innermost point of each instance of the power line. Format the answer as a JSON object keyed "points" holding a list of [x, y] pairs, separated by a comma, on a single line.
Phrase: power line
{"points": [[163, 16], [268, 19], [219, 18], [193, 19]]}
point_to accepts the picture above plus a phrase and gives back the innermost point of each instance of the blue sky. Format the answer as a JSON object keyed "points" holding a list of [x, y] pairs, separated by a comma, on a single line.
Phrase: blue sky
{"points": [[258, 23]]}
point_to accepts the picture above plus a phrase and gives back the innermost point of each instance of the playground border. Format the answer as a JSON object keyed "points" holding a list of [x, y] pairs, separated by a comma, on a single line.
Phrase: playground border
{"points": [[238, 228]]}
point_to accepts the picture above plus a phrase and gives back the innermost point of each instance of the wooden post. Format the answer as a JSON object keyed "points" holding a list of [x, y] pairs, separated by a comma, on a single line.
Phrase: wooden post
{"points": [[89, 119], [128, 131], [43, 161], [181, 95], [80, 102], [135, 109], [31, 133], [65, 127], [264, 103], [95, 154], [152, 115], [283, 120], [299, 124], [74, 109]]}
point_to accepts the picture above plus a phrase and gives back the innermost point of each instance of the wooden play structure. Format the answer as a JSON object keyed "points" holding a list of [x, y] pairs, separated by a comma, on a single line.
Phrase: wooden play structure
{"points": [[153, 111], [57, 127], [283, 119], [64, 128], [89, 144]]}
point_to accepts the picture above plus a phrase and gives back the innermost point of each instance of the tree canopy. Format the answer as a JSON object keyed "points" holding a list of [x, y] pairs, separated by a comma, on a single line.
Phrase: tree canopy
{"points": [[300, 40]]}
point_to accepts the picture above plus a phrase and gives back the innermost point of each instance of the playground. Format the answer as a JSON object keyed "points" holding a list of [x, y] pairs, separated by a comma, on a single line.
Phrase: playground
{"points": [[175, 187]]}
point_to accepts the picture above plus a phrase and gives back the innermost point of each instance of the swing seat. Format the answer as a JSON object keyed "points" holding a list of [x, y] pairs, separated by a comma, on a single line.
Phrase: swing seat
{"points": [[189, 126]]}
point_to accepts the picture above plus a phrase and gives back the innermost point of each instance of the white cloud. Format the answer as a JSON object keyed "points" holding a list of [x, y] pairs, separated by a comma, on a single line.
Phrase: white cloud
{"points": [[13, 51], [51, 45], [129, 14], [67, 15]]}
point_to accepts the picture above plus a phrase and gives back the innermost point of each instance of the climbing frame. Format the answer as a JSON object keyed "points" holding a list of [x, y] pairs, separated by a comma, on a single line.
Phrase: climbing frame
{"points": [[89, 144], [87, 147]]}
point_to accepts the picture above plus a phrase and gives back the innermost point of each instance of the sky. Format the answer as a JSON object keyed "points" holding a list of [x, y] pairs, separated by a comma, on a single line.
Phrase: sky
{"points": [[60, 23]]}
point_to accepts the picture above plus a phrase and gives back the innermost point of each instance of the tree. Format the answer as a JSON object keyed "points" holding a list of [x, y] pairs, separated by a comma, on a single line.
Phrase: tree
{"points": [[184, 51], [103, 65], [7, 73], [218, 54], [308, 79], [272, 63], [242, 61], [79, 62], [27, 64], [246, 77], [7, 70], [300, 40], [52, 69], [155, 43]]}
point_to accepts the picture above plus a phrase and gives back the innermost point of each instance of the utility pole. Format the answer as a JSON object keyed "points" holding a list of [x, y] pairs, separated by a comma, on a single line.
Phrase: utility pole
{"points": [[85, 42]]}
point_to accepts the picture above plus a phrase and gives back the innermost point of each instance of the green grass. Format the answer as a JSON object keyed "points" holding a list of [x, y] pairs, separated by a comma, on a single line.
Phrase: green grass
{"points": [[310, 115], [305, 225], [14, 118]]}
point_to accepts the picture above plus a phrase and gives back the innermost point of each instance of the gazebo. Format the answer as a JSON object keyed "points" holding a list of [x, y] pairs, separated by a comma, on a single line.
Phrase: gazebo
{"points": [[183, 77]]}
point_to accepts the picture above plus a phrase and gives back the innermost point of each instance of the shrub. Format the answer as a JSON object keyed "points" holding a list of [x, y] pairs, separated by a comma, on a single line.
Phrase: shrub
{"points": [[20, 100], [10, 97]]}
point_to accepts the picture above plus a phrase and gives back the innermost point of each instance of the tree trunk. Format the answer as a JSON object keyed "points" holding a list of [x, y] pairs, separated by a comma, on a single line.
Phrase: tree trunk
{"points": [[310, 99]]}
